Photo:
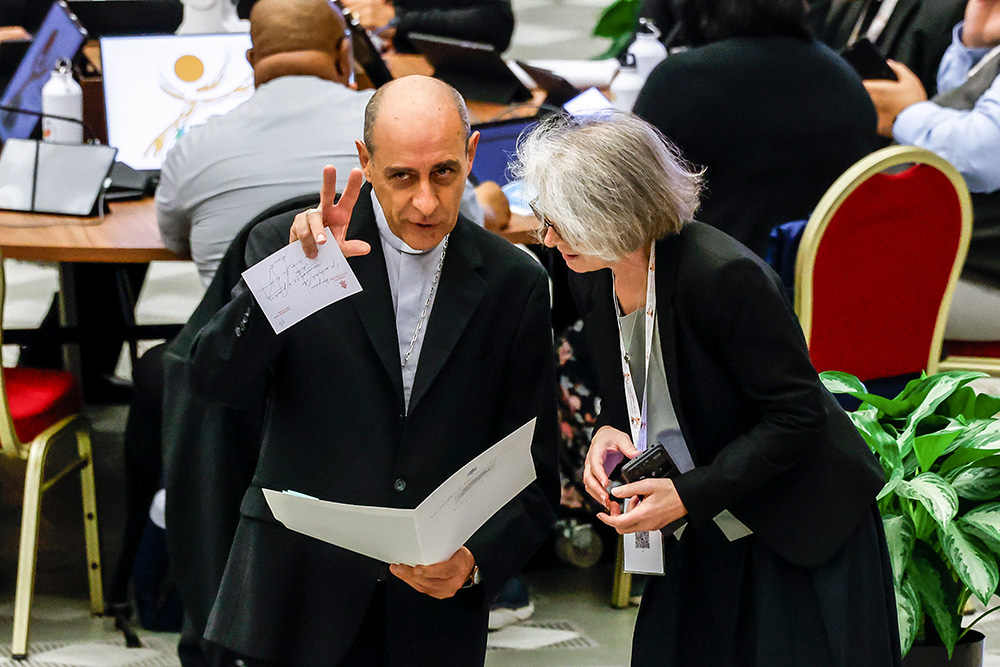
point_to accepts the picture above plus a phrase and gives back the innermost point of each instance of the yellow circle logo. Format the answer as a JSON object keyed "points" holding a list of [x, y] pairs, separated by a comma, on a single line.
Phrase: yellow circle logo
{"points": [[189, 68]]}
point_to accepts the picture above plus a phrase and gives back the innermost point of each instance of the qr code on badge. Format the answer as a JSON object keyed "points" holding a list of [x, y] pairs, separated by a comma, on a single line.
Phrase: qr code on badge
{"points": [[642, 540]]}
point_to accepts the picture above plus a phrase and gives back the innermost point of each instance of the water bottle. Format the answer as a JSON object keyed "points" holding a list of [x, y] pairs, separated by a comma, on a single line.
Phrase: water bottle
{"points": [[627, 84], [642, 56], [62, 96], [646, 50]]}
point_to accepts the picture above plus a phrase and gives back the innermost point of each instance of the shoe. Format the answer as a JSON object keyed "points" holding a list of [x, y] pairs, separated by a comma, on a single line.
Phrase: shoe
{"points": [[511, 605], [501, 617]]}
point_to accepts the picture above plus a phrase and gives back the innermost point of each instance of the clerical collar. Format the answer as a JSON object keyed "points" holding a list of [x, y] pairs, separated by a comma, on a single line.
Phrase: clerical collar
{"points": [[396, 243]]}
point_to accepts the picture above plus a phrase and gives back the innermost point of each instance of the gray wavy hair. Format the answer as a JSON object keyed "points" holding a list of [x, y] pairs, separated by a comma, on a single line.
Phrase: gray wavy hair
{"points": [[610, 182]]}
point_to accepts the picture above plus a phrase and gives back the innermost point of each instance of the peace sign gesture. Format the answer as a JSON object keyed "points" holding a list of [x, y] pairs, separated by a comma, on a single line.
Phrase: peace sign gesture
{"points": [[308, 226]]}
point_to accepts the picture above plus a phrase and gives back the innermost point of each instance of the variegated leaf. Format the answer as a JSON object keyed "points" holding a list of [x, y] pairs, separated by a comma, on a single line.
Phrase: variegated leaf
{"points": [[931, 446], [908, 614], [984, 522], [938, 592], [978, 483], [866, 421], [838, 382], [941, 386], [899, 536], [934, 493], [975, 564]]}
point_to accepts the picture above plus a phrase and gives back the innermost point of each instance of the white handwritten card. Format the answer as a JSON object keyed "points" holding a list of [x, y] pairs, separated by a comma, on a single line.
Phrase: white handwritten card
{"points": [[290, 287]]}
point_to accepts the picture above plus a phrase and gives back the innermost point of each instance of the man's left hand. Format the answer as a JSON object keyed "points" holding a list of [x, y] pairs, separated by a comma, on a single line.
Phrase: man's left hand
{"points": [[660, 505], [440, 580], [891, 97]]}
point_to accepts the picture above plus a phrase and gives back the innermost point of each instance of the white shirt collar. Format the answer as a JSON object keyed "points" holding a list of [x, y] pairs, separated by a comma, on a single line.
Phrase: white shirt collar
{"points": [[396, 243]]}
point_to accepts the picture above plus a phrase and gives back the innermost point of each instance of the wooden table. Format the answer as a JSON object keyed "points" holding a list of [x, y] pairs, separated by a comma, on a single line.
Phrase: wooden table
{"points": [[128, 234]]}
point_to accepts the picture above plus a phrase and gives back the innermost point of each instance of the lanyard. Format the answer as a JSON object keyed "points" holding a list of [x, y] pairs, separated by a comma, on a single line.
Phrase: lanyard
{"points": [[878, 23], [637, 414], [983, 62]]}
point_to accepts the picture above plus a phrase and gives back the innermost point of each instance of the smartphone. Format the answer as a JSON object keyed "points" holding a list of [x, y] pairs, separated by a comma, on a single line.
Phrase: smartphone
{"points": [[868, 61]]}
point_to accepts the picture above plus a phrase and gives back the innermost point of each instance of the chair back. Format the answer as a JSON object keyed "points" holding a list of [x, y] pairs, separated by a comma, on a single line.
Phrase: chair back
{"points": [[10, 445], [878, 263]]}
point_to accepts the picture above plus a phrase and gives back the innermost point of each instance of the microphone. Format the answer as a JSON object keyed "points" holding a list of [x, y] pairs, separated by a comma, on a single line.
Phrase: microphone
{"points": [[39, 114]]}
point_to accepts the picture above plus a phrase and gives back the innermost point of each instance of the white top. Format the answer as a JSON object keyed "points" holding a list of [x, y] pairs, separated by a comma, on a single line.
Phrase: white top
{"points": [[271, 148], [662, 420], [411, 273]]}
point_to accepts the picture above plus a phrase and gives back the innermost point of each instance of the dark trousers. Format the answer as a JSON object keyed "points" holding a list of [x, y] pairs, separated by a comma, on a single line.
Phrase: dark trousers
{"points": [[367, 650], [143, 461]]}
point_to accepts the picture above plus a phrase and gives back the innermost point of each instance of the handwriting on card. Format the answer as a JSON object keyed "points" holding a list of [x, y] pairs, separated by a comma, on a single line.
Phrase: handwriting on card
{"points": [[290, 287]]}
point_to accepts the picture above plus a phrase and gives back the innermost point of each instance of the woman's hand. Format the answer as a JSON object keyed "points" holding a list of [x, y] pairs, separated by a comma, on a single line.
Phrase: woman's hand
{"points": [[658, 506], [607, 448]]}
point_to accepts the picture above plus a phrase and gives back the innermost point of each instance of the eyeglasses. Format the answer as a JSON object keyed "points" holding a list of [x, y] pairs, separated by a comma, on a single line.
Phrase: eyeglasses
{"points": [[541, 217]]}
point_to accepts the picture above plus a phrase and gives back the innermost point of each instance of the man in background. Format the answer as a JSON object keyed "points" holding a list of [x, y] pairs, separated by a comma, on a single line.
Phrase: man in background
{"points": [[962, 125], [914, 32], [301, 117]]}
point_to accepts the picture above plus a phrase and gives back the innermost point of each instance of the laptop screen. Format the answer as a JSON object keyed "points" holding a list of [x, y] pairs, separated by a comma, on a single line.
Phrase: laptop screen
{"points": [[58, 37], [497, 145], [157, 87]]}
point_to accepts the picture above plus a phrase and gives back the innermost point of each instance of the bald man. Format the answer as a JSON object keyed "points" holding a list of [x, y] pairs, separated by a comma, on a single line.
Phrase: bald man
{"points": [[378, 398], [301, 117]]}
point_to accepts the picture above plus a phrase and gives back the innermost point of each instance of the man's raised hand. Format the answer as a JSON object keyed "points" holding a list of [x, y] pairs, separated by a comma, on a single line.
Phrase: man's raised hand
{"points": [[308, 226]]}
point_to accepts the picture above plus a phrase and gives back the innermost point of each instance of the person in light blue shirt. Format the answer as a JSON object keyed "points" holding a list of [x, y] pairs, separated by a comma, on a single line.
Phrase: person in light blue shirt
{"points": [[969, 139], [962, 125]]}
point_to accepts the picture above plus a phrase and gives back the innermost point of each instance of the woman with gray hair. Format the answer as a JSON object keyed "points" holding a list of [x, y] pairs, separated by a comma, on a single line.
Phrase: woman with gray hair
{"points": [[765, 531]]}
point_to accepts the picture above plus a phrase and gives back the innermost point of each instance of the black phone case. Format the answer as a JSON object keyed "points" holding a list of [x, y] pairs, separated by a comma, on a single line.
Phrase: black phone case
{"points": [[868, 61]]}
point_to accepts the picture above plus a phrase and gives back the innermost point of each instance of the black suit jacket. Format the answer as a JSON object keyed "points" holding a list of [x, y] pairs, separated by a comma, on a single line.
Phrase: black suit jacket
{"points": [[335, 429], [774, 121], [917, 34], [769, 443]]}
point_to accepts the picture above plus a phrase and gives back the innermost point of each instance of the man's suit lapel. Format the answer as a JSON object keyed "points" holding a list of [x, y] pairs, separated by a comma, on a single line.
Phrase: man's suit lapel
{"points": [[894, 29], [459, 292], [844, 16], [374, 302]]}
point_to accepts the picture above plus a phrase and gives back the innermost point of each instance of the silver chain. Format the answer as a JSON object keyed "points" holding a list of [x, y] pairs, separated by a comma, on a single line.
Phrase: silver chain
{"points": [[427, 304]]}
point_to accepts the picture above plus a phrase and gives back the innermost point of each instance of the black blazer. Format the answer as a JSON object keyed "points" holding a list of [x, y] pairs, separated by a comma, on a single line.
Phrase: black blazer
{"points": [[335, 429], [917, 34], [774, 121], [769, 443]]}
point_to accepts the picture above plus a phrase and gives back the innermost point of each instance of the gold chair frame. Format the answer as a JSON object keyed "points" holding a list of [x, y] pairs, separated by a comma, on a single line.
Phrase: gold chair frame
{"points": [[842, 188], [35, 485]]}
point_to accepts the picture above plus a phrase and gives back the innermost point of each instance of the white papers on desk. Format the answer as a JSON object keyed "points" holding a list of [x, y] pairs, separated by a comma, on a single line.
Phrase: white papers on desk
{"points": [[433, 531], [290, 287], [582, 73]]}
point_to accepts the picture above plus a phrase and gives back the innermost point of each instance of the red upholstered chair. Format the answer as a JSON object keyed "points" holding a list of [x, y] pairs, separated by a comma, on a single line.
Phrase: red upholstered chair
{"points": [[964, 355], [878, 263], [38, 409]]}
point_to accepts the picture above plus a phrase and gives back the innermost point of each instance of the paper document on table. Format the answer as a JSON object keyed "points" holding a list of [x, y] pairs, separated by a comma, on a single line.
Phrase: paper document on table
{"points": [[439, 525], [290, 287]]}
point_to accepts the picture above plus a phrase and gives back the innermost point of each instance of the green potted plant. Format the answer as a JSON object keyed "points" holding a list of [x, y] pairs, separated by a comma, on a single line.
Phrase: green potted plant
{"points": [[617, 22], [939, 444]]}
